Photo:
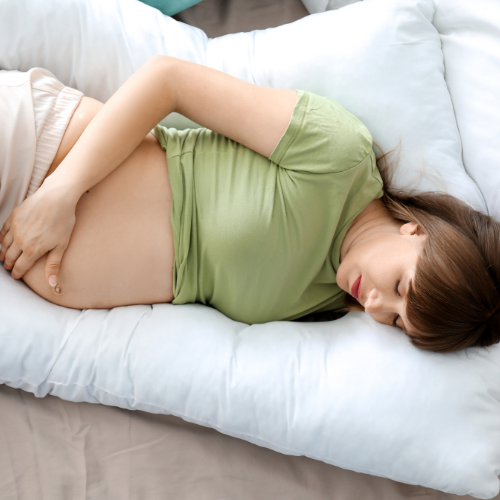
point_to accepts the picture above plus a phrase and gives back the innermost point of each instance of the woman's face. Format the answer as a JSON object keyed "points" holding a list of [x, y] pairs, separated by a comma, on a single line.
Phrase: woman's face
{"points": [[377, 270]]}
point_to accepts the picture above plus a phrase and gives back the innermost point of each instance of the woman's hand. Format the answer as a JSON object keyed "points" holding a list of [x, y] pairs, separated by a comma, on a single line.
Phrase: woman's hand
{"points": [[41, 223]]}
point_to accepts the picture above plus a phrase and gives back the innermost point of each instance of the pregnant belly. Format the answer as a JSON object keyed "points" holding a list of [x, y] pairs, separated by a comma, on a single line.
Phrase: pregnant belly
{"points": [[121, 251]]}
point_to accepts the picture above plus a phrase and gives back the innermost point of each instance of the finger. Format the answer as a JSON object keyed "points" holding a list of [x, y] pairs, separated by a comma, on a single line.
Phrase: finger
{"points": [[24, 262], [53, 264], [5, 229], [6, 243], [11, 256]]}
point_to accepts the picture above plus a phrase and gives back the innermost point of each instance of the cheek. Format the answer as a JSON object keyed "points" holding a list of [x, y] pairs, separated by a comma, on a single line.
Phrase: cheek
{"points": [[375, 261], [347, 272], [356, 262]]}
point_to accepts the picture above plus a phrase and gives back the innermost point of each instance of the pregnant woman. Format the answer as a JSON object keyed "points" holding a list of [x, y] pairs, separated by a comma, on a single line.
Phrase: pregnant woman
{"points": [[274, 210]]}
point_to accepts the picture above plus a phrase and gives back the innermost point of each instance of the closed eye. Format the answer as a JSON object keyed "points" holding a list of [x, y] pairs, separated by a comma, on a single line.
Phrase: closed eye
{"points": [[396, 291]]}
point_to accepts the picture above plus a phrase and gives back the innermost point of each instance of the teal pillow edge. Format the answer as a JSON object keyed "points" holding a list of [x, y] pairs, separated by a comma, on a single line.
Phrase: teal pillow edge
{"points": [[170, 7]]}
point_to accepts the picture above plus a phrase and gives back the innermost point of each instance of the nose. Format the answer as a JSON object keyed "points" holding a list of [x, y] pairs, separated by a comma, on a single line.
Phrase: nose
{"points": [[377, 303], [377, 308], [381, 306]]}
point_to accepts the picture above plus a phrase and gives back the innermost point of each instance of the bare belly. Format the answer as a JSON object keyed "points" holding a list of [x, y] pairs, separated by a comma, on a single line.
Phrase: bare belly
{"points": [[121, 251]]}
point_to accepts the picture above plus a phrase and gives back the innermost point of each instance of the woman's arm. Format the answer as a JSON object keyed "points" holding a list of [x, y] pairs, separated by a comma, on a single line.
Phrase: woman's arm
{"points": [[252, 115]]}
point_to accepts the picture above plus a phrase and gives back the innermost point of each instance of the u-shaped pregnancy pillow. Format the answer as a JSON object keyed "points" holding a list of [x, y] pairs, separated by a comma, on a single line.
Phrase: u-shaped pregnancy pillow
{"points": [[352, 392]]}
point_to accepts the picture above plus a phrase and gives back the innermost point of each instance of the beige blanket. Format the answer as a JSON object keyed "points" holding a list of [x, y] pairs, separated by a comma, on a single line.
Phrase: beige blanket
{"points": [[52, 449]]}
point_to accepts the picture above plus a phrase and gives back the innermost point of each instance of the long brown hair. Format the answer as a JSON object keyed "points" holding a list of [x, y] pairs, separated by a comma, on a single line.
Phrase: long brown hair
{"points": [[453, 301]]}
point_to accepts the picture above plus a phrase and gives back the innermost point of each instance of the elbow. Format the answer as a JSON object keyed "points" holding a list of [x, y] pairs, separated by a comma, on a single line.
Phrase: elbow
{"points": [[162, 69], [161, 60], [162, 66]]}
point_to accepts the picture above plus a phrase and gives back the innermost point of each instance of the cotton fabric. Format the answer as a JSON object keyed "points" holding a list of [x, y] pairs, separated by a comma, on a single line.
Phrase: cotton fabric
{"points": [[259, 239], [36, 109]]}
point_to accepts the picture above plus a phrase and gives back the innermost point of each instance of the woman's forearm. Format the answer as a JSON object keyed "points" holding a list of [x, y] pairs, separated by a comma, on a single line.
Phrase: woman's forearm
{"points": [[118, 128]]}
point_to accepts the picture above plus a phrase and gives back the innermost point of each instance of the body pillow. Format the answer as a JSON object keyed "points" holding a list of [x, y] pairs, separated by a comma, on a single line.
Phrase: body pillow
{"points": [[352, 392]]}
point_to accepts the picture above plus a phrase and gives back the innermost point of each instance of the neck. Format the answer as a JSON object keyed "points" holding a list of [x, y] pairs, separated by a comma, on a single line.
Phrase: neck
{"points": [[374, 218]]}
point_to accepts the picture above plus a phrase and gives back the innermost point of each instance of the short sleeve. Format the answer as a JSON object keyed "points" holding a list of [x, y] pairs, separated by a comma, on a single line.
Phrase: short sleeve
{"points": [[322, 137]]}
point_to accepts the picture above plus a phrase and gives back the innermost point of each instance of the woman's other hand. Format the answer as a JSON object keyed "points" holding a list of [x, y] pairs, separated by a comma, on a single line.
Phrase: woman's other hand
{"points": [[41, 224]]}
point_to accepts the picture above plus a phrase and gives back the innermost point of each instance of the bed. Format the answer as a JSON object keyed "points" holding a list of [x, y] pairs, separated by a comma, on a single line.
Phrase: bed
{"points": [[60, 449]]}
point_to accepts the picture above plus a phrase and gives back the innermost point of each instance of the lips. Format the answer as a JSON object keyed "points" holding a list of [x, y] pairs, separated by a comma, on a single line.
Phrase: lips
{"points": [[355, 288]]}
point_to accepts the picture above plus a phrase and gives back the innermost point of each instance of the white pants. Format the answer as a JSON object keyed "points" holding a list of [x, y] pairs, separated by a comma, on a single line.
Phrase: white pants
{"points": [[35, 109]]}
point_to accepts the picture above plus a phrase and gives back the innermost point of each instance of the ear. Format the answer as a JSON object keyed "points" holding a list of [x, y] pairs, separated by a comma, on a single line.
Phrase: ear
{"points": [[411, 228]]}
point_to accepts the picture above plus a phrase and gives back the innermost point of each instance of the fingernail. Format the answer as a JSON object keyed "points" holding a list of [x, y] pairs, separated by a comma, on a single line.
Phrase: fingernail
{"points": [[53, 280]]}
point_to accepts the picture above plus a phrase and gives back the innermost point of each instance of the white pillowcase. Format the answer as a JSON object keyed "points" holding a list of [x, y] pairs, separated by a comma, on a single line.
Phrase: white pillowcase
{"points": [[104, 42], [352, 392], [383, 65], [470, 34]]}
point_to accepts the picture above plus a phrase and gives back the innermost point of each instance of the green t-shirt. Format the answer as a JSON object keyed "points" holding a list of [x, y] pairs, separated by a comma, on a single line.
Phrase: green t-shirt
{"points": [[259, 239]]}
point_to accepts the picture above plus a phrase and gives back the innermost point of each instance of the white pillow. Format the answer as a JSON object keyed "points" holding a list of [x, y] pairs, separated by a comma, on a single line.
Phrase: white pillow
{"points": [[470, 34], [353, 393], [382, 63], [104, 42]]}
